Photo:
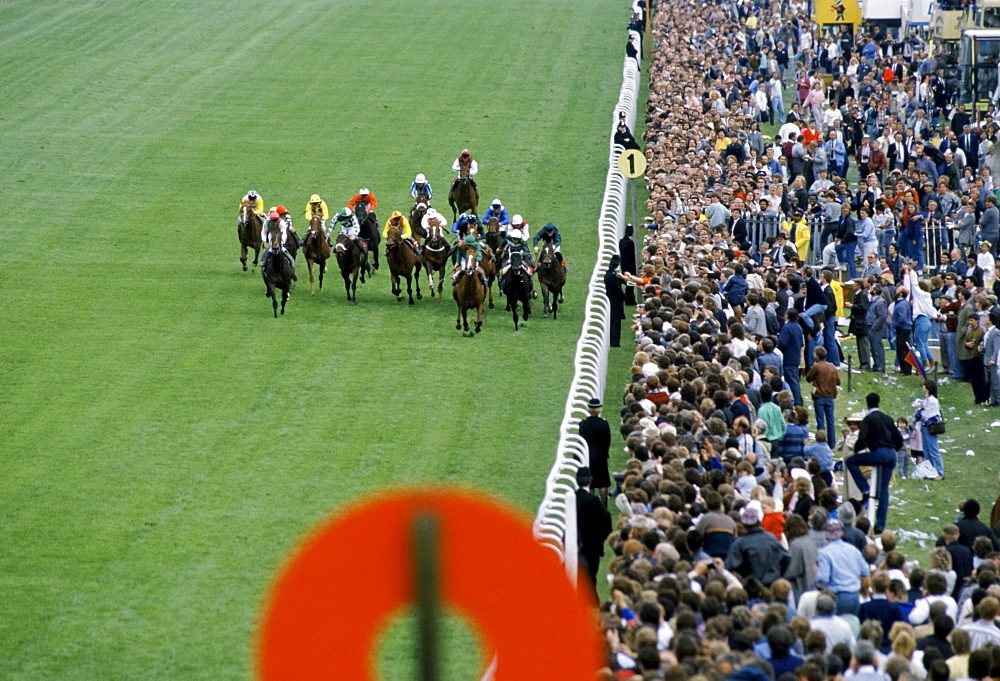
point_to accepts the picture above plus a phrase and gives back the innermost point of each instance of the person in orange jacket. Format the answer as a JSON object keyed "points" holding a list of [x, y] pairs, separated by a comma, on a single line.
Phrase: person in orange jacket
{"points": [[364, 196]]}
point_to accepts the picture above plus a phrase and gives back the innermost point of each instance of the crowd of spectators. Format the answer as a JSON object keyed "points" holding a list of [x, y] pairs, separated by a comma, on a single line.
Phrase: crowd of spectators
{"points": [[738, 552]]}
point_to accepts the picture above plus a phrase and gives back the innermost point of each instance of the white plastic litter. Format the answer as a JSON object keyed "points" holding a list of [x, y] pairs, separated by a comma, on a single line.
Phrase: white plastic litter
{"points": [[969, 452]]}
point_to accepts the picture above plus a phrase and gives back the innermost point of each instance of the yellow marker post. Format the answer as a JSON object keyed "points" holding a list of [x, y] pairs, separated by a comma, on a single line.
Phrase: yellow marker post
{"points": [[632, 163]]}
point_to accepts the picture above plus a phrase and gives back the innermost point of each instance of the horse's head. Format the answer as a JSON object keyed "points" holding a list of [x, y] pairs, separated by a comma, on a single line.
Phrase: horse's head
{"points": [[469, 263], [423, 198], [361, 211], [316, 223], [394, 234], [275, 240], [515, 260], [493, 225], [548, 255]]}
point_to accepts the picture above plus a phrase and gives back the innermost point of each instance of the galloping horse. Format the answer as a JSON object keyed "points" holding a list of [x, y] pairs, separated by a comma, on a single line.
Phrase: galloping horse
{"points": [[402, 259], [369, 230], [518, 287], [552, 277], [317, 249], [351, 260], [435, 258], [248, 230], [417, 216], [491, 255], [277, 274], [468, 293], [463, 196]]}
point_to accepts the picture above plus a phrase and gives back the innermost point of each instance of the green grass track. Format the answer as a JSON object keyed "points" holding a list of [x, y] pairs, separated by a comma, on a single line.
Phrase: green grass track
{"points": [[165, 442]]}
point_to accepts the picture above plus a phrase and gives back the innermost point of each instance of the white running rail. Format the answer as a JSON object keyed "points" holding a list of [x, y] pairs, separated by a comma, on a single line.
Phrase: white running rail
{"points": [[555, 523]]}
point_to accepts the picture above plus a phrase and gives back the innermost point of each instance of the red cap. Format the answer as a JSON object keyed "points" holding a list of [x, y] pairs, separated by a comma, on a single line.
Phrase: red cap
{"points": [[282, 210]]}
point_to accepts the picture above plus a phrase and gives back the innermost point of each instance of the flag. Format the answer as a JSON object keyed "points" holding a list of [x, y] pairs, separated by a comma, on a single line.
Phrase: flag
{"points": [[914, 361]]}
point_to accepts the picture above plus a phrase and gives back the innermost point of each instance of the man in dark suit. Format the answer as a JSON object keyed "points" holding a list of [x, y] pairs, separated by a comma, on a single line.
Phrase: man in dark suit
{"points": [[596, 432], [613, 287], [626, 247], [968, 142], [960, 119], [593, 525], [898, 156]]}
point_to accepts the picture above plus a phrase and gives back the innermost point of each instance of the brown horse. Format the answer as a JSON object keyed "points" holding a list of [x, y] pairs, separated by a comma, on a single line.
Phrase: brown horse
{"points": [[469, 293], [351, 260], [417, 214], [277, 274], [435, 258], [552, 277], [317, 250], [463, 195], [402, 259], [490, 264], [248, 230]]}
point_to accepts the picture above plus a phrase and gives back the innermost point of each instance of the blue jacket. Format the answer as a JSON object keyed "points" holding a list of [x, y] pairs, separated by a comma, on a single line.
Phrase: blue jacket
{"points": [[790, 343], [426, 188], [501, 216], [735, 290], [902, 315], [875, 316]]}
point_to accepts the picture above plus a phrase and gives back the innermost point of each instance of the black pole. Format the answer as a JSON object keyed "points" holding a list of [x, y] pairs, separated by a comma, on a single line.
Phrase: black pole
{"points": [[849, 372], [425, 554]]}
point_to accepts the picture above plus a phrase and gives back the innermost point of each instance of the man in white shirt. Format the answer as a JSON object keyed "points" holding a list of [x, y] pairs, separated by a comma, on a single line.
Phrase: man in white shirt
{"points": [[984, 630], [935, 587], [834, 628]]}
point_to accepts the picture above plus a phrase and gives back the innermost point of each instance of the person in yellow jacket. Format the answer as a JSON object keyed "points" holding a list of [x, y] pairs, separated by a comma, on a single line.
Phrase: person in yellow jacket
{"points": [[317, 206], [258, 203], [798, 231], [399, 221]]}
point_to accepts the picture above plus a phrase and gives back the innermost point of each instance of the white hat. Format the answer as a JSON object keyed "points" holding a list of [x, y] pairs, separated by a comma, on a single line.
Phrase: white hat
{"points": [[517, 220], [364, 190], [496, 202], [420, 178]]}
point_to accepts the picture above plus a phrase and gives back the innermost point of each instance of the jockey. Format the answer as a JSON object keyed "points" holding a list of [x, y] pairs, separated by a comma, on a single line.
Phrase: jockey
{"points": [[465, 158], [317, 206], [496, 210], [350, 228], [274, 225], [460, 228], [432, 218], [287, 219], [399, 220], [550, 235], [470, 242], [365, 197], [421, 186], [516, 243], [258, 203]]}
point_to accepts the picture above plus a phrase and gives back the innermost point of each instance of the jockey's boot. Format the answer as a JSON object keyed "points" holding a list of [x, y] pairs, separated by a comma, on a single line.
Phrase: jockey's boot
{"points": [[482, 277]]}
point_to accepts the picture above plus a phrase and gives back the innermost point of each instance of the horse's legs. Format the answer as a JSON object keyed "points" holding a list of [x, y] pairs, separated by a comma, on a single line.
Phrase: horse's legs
{"points": [[479, 317], [441, 275], [409, 287], [527, 308], [545, 302], [284, 299], [312, 283], [256, 255], [458, 318], [352, 294], [513, 307], [430, 280], [489, 289], [416, 276], [322, 270], [555, 303], [347, 283], [272, 294], [243, 256]]}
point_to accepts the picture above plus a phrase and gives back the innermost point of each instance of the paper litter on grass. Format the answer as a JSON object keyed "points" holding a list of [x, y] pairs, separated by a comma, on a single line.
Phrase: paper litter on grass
{"points": [[969, 452]]}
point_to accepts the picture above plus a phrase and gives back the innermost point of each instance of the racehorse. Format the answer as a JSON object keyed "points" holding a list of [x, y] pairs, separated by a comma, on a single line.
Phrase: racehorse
{"points": [[369, 230], [463, 196], [351, 260], [468, 293], [552, 277], [277, 274], [317, 250], [402, 259], [248, 230], [417, 216], [435, 258], [518, 287]]}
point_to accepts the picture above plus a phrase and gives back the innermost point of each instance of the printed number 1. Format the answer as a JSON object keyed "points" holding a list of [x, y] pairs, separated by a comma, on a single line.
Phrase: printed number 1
{"points": [[631, 164]]}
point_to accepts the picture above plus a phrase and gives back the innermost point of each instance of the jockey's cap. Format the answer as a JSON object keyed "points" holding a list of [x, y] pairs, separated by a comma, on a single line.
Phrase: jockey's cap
{"points": [[273, 215], [282, 210], [470, 240], [315, 199], [251, 194], [346, 213], [364, 191], [517, 220], [420, 179], [496, 202], [465, 152]]}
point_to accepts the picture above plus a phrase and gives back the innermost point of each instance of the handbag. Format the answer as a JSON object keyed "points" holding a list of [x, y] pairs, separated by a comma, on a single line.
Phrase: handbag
{"points": [[936, 427]]}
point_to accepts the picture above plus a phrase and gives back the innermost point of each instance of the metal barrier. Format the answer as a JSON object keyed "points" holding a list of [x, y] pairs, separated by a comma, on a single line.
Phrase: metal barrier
{"points": [[555, 522]]}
